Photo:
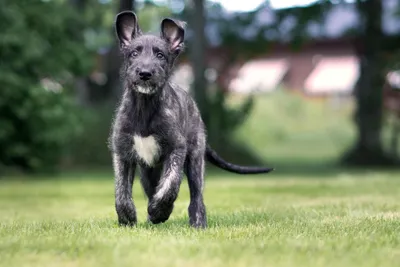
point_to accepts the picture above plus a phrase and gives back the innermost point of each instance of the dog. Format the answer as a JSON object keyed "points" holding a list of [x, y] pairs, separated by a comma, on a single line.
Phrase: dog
{"points": [[158, 128]]}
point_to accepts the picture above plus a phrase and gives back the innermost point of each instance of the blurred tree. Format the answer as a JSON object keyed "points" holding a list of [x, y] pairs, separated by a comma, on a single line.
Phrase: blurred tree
{"points": [[371, 43], [198, 55], [40, 55], [220, 119], [150, 15], [113, 60], [126, 5], [368, 149], [81, 86]]}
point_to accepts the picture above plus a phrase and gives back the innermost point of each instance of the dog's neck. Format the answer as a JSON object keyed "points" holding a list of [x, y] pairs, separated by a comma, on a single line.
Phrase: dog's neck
{"points": [[143, 98], [143, 104]]}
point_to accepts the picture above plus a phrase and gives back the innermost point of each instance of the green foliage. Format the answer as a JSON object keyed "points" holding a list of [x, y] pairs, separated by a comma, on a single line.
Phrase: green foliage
{"points": [[293, 132], [39, 41], [224, 119], [90, 149], [98, 17], [40, 38], [36, 126], [150, 15]]}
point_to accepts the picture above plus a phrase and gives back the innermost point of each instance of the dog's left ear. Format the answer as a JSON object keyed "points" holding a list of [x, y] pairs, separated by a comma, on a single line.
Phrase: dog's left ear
{"points": [[174, 33]]}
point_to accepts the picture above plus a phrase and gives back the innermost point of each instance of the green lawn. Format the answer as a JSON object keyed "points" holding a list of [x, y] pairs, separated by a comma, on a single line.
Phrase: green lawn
{"points": [[340, 219]]}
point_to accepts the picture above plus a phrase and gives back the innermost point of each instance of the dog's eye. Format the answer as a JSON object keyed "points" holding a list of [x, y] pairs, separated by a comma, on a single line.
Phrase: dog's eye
{"points": [[160, 55], [134, 54]]}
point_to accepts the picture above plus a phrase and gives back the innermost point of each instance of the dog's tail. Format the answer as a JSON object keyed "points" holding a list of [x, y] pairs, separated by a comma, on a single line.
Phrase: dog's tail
{"points": [[215, 159]]}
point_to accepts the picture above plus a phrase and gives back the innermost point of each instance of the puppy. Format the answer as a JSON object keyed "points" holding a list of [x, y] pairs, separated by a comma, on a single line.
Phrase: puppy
{"points": [[158, 128]]}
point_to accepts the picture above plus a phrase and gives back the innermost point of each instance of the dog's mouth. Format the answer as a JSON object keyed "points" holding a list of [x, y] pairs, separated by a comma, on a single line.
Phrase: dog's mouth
{"points": [[145, 87]]}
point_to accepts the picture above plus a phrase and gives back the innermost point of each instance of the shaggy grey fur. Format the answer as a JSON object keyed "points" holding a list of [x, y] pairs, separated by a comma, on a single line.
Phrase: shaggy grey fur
{"points": [[158, 127]]}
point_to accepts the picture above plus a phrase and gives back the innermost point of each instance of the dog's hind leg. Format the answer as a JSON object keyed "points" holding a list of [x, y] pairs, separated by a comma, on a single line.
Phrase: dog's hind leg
{"points": [[195, 173], [124, 175], [161, 205], [149, 178]]}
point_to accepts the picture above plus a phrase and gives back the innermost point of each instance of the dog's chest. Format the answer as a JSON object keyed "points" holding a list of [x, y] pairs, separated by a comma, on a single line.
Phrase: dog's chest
{"points": [[146, 148]]}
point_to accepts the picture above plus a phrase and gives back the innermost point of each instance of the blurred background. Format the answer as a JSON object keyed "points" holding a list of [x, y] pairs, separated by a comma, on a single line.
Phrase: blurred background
{"points": [[304, 86]]}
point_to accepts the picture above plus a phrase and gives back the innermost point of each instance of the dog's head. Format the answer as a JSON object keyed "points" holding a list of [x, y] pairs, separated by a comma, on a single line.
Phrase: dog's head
{"points": [[148, 59]]}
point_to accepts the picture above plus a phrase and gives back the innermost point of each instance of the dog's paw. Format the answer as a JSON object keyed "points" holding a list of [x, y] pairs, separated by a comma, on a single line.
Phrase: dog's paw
{"points": [[126, 213], [198, 224], [197, 215], [159, 212]]}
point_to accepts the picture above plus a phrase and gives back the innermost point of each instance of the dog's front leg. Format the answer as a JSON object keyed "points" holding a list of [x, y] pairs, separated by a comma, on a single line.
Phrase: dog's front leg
{"points": [[162, 204], [124, 175]]}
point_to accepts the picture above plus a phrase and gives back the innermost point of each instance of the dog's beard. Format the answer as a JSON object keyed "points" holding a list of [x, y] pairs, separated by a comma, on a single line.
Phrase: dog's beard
{"points": [[144, 87]]}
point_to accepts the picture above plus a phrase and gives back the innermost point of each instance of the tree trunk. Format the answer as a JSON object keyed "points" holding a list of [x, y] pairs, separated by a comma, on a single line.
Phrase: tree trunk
{"points": [[368, 149], [394, 144], [126, 5], [81, 83], [198, 55], [113, 58]]}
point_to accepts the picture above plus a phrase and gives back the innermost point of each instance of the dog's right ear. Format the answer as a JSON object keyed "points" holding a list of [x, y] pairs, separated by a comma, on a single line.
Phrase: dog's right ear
{"points": [[127, 27]]}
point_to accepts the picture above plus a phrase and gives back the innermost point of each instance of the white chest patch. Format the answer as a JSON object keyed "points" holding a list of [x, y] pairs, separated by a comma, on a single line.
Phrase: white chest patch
{"points": [[146, 148]]}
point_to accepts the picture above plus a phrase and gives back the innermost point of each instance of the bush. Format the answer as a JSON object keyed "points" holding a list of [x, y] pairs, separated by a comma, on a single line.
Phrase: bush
{"points": [[36, 127], [89, 149], [41, 51], [223, 121]]}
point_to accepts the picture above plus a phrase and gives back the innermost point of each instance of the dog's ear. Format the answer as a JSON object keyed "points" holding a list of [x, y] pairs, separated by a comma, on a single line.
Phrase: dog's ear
{"points": [[173, 31], [127, 27]]}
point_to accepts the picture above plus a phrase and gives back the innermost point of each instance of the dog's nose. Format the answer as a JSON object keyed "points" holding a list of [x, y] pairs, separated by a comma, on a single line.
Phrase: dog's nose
{"points": [[145, 75]]}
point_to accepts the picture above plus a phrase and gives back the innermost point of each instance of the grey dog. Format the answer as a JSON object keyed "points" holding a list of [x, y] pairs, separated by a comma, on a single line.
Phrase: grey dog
{"points": [[158, 127]]}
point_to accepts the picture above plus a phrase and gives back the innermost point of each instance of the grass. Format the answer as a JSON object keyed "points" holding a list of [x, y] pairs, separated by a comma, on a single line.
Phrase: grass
{"points": [[345, 219]]}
